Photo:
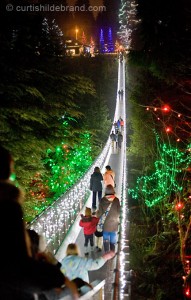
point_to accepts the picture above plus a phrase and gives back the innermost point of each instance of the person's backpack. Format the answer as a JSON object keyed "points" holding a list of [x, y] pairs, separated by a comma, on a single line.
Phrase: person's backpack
{"points": [[102, 219], [113, 180]]}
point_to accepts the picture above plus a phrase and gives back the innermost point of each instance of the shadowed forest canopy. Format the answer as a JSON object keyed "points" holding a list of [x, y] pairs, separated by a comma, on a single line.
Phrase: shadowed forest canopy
{"points": [[159, 139], [50, 102]]}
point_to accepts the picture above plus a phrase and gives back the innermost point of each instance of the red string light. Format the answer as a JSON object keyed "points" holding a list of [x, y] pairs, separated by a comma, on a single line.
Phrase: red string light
{"points": [[166, 108], [168, 129], [179, 206]]}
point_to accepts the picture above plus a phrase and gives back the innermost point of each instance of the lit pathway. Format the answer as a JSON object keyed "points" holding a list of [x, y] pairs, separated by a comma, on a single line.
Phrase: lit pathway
{"points": [[115, 160], [68, 208]]}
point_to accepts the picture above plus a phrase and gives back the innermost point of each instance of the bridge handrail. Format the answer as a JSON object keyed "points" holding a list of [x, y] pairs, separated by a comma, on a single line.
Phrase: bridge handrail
{"points": [[97, 288], [9, 291], [56, 220]]}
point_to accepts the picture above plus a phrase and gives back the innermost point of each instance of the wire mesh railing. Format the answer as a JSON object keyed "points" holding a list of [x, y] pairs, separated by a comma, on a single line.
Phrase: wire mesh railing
{"points": [[55, 222]]}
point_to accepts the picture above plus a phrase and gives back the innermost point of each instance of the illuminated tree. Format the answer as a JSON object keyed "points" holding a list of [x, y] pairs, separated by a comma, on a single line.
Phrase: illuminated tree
{"points": [[50, 42], [84, 40], [110, 41], [101, 42], [128, 21], [56, 34], [159, 186], [67, 164], [92, 46], [167, 189]]}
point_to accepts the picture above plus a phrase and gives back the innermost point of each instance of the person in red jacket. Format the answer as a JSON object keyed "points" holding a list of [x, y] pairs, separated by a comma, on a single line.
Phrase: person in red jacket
{"points": [[89, 223]]}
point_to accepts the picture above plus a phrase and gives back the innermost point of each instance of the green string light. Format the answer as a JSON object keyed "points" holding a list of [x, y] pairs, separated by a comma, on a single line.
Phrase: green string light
{"points": [[68, 164], [158, 186]]}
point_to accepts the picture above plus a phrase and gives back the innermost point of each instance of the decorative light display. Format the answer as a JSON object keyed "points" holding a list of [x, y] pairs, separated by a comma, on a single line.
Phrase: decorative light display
{"points": [[101, 42], [166, 108], [174, 123], [45, 30], [110, 41], [122, 266], [92, 46], [51, 39], [55, 222], [127, 21], [158, 187], [169, 184], [84, 40], [68, 164]]}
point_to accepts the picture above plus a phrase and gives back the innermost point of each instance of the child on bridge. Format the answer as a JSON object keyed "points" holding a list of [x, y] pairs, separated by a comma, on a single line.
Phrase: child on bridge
{"points": [[88, 222]]}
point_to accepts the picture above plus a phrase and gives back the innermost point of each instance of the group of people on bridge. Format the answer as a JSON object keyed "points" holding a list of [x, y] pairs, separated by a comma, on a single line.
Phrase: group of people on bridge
{"points": [[27, 266], [120, 93], [116, 134], [106, 212]]}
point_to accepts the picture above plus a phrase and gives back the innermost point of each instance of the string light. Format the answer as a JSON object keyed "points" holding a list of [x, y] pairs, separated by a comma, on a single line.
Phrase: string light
{"points": [[55, 222], [159, 186]]}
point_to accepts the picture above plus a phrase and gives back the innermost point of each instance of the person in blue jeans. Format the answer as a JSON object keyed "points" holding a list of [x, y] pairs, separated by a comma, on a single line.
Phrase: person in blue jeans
{"points": [[111, 223], [96, 186]]}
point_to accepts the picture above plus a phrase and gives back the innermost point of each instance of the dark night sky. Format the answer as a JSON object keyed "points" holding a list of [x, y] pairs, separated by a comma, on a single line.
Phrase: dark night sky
{"points": [[88, 22], [92, 2]]}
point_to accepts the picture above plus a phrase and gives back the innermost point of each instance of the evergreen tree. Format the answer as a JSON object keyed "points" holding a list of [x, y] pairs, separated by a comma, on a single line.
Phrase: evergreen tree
{"points": [[44, 42], [51, 41], [56, 45], [110, 41], [67, 164], [128, 22], [92, 46], [101, 42], [84, 40]]}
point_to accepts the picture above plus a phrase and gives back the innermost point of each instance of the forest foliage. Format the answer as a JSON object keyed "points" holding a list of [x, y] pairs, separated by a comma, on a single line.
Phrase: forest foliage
{"points": [[50, 101], [159, 106]]}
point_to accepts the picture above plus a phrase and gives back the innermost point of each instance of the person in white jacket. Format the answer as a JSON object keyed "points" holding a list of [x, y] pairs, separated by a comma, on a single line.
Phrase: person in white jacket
{"points": [[75, 266]]}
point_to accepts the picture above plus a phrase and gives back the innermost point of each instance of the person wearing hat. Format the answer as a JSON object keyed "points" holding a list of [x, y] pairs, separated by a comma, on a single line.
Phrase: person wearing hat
{"points": [[88, 222]]}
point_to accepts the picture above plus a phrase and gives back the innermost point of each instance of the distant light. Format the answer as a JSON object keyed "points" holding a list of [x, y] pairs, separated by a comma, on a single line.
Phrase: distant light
{"points": [[166, 108], [168, 129]]}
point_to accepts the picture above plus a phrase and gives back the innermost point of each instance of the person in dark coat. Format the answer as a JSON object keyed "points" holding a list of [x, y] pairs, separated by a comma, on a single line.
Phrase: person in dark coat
{"points": [[19, 272], [110, 227], [96, 186], [120, 139]]}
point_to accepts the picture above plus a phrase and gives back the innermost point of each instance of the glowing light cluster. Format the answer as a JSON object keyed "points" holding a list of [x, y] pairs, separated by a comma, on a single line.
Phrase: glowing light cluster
{"points": [[127, 21], [123, 283], [55, 222], [157, 187]]}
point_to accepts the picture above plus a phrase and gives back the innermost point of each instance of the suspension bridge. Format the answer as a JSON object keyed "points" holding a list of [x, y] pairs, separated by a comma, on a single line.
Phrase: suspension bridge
{"points": [[59, 223]]}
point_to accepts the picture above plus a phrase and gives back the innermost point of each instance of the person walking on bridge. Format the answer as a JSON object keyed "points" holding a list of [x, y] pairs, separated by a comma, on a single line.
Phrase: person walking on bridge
{"points": [[120, 139], [110, 206], [74, 266], [109, 176], [88, 222], [113, 138], [96, 186], [121, 124]]}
